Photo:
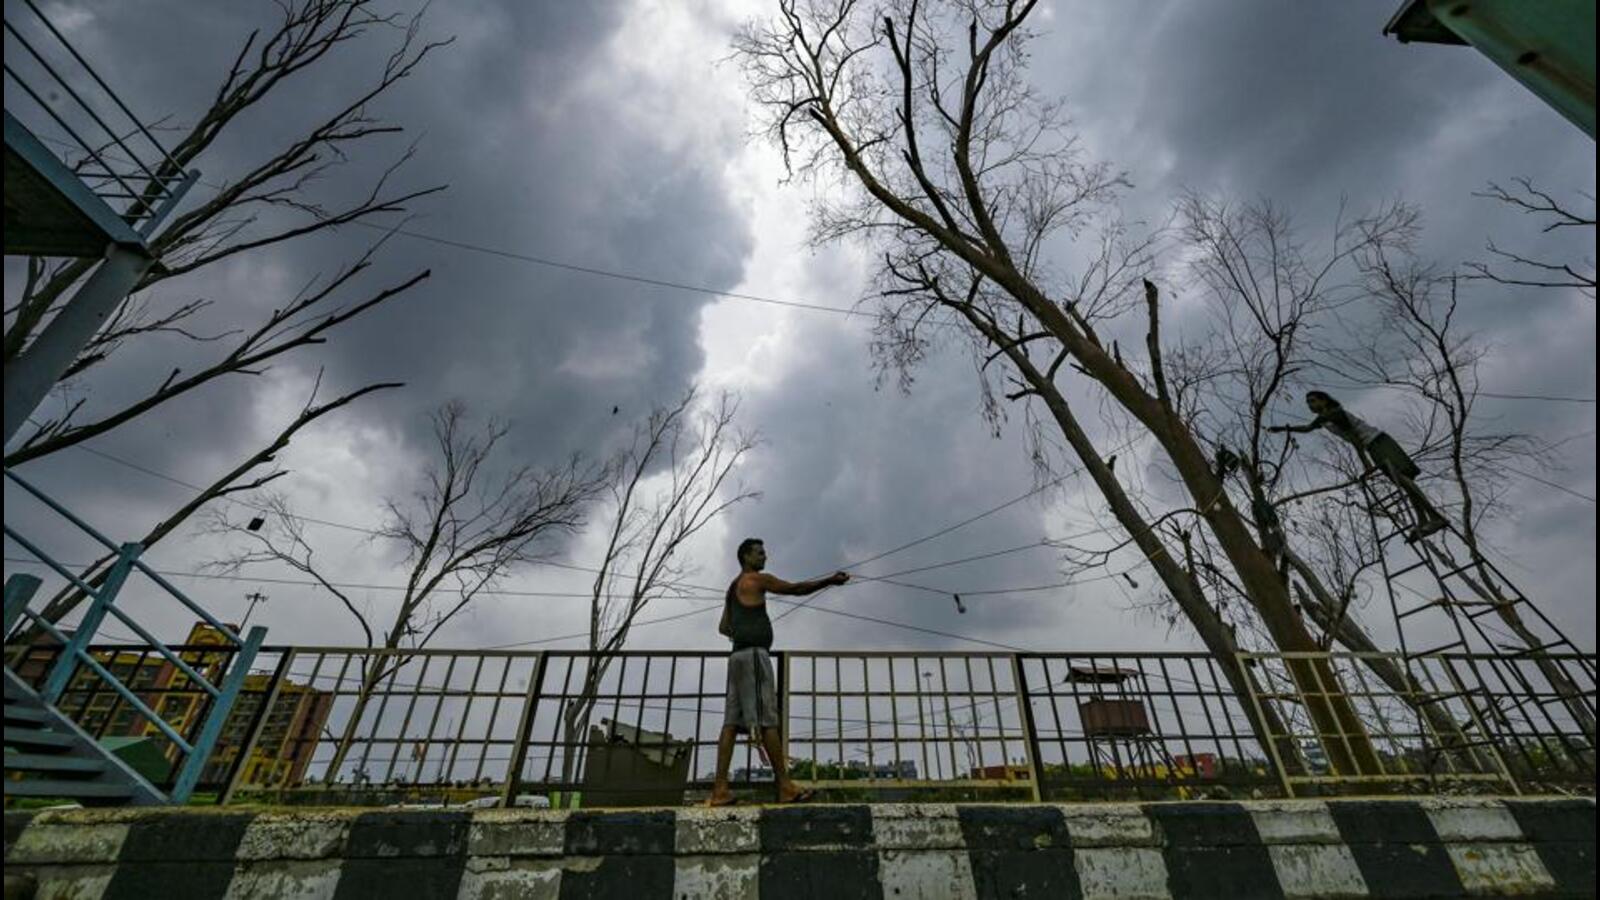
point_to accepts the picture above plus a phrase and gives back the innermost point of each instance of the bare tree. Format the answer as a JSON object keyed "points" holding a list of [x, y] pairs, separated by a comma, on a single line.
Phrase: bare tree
{"points": [[960, 176], [1423, 349], [239, 479], [1283, 316], [303, 322], [273, 201], [674, 479], [464, 529], [1513, 268]]}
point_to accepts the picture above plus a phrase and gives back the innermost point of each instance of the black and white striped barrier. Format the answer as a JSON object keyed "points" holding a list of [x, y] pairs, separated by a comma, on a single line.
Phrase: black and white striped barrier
{"points": [[1441, 847]]}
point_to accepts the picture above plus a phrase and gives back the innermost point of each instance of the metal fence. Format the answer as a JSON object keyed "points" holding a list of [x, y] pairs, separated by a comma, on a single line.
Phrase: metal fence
{"points": [[1447, 722], [353, 725]]}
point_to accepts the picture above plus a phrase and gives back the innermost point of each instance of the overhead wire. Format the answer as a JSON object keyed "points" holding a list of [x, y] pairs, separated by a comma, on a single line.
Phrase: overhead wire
{"points": [[682, 286], [894, 550], [1547, 483], [732, 295], [1385, 386], [961, 524], [793, 605]]}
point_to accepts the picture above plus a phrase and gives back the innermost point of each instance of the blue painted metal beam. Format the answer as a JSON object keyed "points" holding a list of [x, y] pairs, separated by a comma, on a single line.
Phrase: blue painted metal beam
{"points": [[19, 590], [111, 228], [1547, 45], [76, 647], [196, 761]]}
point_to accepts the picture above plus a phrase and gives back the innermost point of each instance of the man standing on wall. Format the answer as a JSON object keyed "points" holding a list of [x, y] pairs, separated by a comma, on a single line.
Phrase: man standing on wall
{"points": [[752, 706]]}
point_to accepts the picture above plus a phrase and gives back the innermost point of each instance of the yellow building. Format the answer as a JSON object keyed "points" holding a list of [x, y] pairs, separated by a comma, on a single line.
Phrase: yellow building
{"points": [[287, 739]]}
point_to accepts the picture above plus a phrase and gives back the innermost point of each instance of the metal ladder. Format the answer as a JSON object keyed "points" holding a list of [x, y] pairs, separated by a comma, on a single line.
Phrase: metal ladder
{"points": [[1470, 590], [1455, 565]]}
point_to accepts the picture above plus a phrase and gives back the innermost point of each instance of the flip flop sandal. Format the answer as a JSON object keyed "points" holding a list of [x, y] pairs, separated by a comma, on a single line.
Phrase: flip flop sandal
{"points": [[802, 797], [731, 801]]}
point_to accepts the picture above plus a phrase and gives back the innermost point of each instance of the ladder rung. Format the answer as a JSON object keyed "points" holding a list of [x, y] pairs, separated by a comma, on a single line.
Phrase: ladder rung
{"points": [[1439, 649], [1457, 570], [25, 715], [1387, 500], [1489, 606], [1411, 568], [1539, 649], [100, 790], [1422, 606], [37, 739], [61, 766]]}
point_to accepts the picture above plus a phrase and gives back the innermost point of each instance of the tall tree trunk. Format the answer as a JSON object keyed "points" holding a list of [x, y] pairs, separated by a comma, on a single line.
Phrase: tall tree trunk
{"points": [[1185, 590], [1338, 725], [372, 672], [1321, 609]]}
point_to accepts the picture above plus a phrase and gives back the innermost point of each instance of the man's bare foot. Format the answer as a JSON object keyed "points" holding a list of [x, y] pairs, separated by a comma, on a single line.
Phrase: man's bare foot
{"points": [[721, 798]]}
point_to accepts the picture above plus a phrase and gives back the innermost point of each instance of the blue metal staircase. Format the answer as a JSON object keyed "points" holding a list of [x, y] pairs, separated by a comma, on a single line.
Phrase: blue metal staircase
{"points": [[100, 191], [46, 753]]}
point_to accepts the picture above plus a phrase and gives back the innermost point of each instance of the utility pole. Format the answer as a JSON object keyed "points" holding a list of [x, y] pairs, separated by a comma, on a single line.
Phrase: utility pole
{"points": [[254, 597]]}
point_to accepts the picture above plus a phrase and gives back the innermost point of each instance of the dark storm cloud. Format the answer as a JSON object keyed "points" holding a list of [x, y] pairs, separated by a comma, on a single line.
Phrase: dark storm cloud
{"points": [[522, 117], [534, 159], [1307, 107], [533, 123]]}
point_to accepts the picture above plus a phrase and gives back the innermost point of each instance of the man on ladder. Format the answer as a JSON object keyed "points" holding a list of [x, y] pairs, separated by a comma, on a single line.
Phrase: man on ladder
{"points": [[1376, 450]]}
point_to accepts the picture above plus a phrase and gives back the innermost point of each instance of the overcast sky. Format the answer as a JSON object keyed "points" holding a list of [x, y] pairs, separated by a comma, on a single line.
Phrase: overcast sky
{"points": [[614, 136]]}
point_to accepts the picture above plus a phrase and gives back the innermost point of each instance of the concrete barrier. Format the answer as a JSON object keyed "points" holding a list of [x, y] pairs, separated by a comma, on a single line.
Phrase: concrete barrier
{"points": [[1338, 848]]}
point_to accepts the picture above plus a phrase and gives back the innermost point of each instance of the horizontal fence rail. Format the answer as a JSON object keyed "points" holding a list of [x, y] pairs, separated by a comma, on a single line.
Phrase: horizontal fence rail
{"points": [[357, 725]]}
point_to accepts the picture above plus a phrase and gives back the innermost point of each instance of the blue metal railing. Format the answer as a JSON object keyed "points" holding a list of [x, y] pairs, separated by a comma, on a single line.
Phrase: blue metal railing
{"points": [[102, 591], [141, 181]]}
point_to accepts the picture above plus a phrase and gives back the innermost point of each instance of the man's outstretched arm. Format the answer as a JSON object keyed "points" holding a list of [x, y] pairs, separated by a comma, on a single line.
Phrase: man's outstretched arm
{"points": [[777, 585], [1307, 428]]}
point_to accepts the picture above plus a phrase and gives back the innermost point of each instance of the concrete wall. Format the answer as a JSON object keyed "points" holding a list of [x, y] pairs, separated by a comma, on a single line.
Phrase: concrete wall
{"points": [[1346, 848]]}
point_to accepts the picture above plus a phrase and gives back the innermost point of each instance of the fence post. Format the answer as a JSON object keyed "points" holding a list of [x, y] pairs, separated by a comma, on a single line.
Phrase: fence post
{"points": [[19, 590], [268, 701], [783, 707], [1242, 660], [67, 662], [1483, 729], [1025, 707], [227, 692], [519, 750]]}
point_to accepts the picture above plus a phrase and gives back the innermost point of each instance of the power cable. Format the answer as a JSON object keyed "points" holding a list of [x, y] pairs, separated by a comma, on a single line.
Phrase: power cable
{"points": [[754, 298], [307, 582], [1551, 484], [962, 524], [608, 273], [570, 267], [374, 532]]}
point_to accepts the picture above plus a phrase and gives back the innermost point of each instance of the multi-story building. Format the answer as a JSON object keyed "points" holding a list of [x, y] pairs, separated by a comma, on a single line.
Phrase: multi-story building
{"points": [[287, 739]]}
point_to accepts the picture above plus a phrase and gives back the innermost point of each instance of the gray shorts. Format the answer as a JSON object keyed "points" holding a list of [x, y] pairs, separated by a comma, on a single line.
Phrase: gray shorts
{"points": [[752, 691]]}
